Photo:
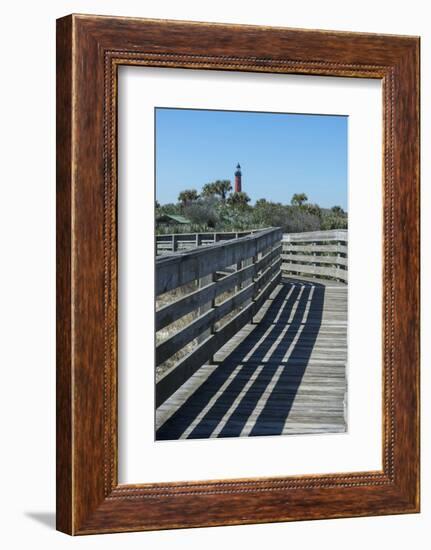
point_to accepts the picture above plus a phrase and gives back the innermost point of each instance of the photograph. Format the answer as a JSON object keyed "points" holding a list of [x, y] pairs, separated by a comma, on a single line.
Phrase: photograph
{"points": [[251, 273]]}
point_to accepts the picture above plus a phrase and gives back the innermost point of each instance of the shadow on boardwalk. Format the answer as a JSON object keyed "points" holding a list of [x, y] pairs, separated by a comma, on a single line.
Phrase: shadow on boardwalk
{"points": [[252, 389]]}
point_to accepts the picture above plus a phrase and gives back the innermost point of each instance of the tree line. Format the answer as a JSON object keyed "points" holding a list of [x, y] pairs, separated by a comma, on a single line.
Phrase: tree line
{"points": [[218, 208]]}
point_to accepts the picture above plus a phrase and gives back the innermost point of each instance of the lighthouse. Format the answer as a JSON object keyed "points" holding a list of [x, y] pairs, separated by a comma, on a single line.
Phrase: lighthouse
{"points": [[238, 174]]}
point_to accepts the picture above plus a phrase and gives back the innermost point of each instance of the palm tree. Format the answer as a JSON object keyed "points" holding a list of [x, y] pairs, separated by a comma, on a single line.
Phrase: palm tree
{"points": [[187, 196], [298, 199], [220, 188], [209, 190], [223, 187], [239, 200]]}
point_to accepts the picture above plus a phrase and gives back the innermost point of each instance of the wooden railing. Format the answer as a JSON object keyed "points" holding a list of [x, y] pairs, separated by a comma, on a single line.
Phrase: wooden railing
{"points": [[316, 254], [174, 242], [246, 269]]}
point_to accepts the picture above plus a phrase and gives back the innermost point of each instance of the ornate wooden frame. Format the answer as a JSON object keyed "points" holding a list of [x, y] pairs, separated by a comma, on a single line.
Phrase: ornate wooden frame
{"points": [[89, 51]]}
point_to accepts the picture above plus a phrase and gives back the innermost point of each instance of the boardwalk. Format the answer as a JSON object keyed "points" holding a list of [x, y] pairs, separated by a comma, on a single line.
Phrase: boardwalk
{"points": [[283, 372]]}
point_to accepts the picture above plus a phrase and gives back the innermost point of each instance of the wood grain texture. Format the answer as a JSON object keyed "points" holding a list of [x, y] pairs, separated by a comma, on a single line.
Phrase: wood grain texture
{"points": [[64, 459], [89, 499]]}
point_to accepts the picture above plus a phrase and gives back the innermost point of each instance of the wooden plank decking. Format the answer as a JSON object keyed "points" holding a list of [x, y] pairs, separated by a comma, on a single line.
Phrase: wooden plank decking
{"points": [[284, 373]]}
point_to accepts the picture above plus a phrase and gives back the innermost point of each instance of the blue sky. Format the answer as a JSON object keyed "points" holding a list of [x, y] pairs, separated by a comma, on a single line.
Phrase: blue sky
{"points": [[280, 154]]}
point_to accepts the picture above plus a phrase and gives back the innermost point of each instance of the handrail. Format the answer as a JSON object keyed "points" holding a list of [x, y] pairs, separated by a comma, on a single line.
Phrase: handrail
{"points": [[316, 254], [173, 242], [257, 262], [181, 268], [317, 236]]}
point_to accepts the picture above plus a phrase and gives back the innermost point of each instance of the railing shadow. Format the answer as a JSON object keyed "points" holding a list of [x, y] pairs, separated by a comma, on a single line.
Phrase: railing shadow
{"points": [[273, 359], [305, 331]]}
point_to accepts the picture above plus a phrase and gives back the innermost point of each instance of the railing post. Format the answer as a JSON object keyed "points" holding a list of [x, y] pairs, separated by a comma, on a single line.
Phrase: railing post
{"points": [[238, 267], [338, 256], [313, 253], [174, 243], [254, 261], [213, 306], [204, 281]]}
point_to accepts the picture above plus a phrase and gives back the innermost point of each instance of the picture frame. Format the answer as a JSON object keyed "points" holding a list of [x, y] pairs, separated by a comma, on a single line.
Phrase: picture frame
{"points": [[89, 51]]}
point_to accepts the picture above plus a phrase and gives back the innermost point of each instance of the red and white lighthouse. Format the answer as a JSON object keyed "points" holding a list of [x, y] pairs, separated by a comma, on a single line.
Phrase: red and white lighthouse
{"points": [[238, 174]]}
